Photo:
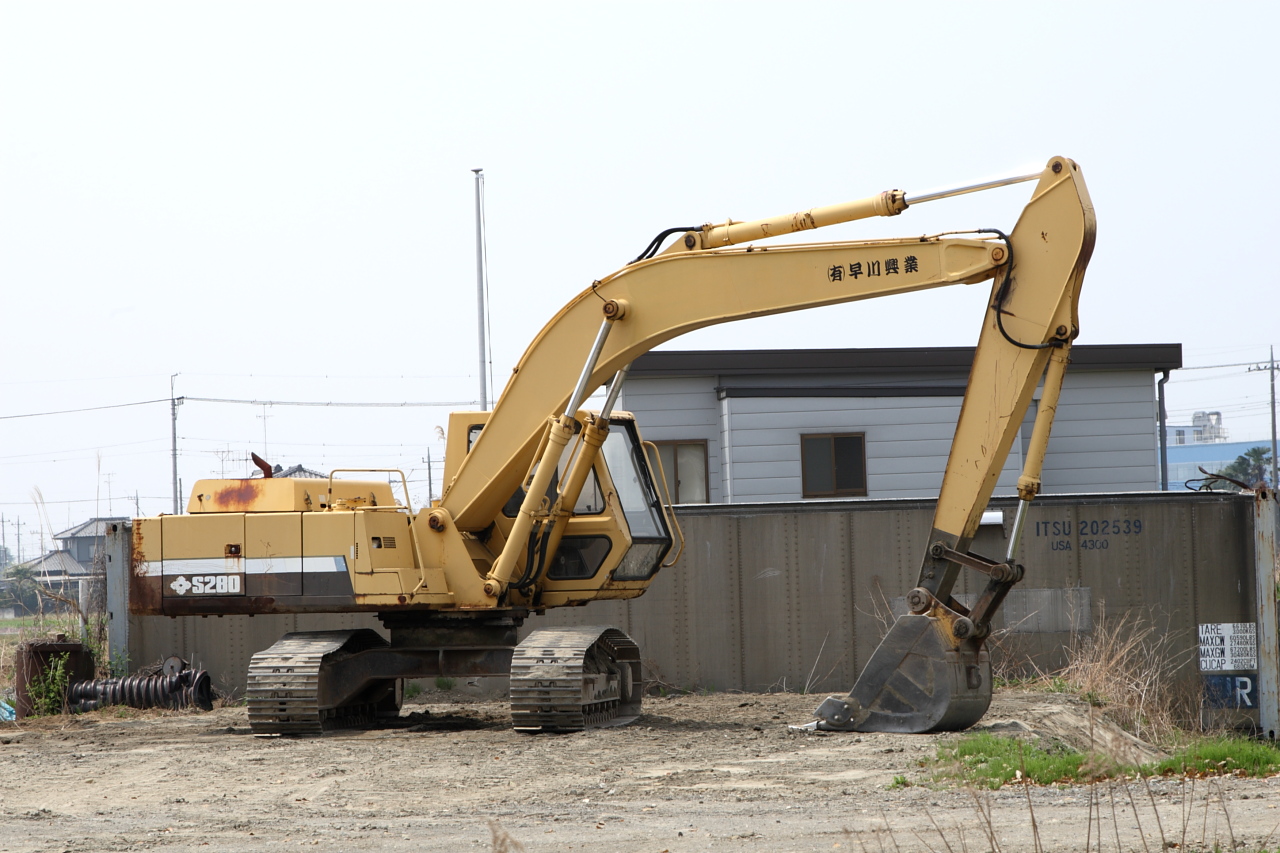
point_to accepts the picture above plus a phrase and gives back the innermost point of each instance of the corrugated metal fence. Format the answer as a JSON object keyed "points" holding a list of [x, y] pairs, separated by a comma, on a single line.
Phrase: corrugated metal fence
{"points": [[798, 595]]}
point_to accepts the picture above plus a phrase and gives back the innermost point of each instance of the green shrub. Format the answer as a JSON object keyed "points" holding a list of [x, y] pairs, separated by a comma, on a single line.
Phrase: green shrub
{"points": [[48, 690]]}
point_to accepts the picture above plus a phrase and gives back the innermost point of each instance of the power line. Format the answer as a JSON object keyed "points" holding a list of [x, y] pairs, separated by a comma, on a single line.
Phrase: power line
{"points": [[81, 501], [334, 444], [1218, 366], [438, 404], [338, 376], [87, 409], [81, 449], [332, 404]]}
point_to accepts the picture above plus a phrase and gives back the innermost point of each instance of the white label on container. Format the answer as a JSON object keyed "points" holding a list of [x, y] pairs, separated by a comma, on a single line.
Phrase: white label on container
{"points": [[1228, 646]]}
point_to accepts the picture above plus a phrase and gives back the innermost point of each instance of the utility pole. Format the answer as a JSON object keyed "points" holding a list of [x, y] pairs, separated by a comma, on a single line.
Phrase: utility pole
{"points": [[431, 485], [1270, 367], [17, 525], [174, 402], [264, 417], [4, 546], [480, 300], [1272, 370]]}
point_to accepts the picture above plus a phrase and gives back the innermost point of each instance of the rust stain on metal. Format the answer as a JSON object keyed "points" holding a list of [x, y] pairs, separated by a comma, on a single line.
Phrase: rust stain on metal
{"points": [[239, 497], [145, 595], [803, 221], [144, 589], [244, 605], [137, 554]]}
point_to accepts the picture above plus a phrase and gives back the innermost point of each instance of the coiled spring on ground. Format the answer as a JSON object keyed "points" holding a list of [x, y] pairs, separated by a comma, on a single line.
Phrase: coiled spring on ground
{"points": [[181, 690]]}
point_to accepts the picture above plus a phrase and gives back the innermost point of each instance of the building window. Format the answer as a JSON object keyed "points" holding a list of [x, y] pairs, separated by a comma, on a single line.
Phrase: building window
{"points": [[685, 464], [834, 465]]}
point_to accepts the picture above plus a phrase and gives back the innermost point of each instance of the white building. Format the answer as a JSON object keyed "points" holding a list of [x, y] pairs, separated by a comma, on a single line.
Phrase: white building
{"points": [[739, 426]]}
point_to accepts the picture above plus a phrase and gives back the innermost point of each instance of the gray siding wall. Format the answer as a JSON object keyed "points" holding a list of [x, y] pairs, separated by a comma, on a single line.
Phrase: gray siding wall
{"points": [[679, 409], [1104, 437], [908, 439]]}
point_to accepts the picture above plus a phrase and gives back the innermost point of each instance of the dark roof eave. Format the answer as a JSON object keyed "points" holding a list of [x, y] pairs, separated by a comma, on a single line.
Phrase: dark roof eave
{"points": [[1154, 357]]}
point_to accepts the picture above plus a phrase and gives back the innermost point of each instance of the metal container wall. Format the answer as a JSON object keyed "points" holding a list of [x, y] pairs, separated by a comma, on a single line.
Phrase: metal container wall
{"points": [[798, 595]]}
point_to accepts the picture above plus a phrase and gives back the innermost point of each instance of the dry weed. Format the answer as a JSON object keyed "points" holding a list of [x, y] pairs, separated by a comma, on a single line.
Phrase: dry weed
{"points": [[503, 842], [1132, 668]]}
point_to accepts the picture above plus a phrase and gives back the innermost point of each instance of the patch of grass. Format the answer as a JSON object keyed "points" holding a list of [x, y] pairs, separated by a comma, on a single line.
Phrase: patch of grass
{"points": [[444, 683], [1221, 756], [50, 622], [1038, 683], [987, 761], [412, 690], [984, 760], [899, 782]]}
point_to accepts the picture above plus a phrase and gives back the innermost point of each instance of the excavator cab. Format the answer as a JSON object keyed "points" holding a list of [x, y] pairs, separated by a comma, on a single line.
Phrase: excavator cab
{"points": [[614, 528]]}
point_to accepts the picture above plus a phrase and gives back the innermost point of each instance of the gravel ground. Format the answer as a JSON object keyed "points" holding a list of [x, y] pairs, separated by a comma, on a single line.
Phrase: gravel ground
{"points": [[715, 772]]}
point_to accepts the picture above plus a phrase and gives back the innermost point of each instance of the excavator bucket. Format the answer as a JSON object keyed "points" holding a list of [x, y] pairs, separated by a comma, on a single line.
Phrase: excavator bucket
{"points": [[915, 682]]}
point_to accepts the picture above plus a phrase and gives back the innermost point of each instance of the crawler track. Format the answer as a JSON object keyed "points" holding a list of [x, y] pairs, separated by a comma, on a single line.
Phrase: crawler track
{"points": [[562, 680], [569, 679], [287, 691]]}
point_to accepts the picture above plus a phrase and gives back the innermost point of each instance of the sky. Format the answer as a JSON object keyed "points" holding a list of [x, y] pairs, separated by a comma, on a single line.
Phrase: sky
{"points": [[275, 202]]}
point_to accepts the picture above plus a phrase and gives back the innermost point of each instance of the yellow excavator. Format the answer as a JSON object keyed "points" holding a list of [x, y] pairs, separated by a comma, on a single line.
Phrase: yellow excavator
{"points": [[550, 505]]}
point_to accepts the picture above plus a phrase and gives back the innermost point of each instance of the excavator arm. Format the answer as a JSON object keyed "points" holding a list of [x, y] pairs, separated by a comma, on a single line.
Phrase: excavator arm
{"points": [[931, 672]]}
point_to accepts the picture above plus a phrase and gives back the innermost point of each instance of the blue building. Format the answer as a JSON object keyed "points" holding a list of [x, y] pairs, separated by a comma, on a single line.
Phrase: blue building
{"points": [[1186, 460]]}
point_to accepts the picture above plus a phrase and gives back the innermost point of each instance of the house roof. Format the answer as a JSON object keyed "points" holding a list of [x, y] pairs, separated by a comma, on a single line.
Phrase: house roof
{"points": [[791, 361], [55, 565], [93, 527], [295, 471]]}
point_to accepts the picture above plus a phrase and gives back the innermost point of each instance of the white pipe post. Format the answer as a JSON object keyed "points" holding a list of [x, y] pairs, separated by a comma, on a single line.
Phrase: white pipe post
{"points": [[173, 417], [484, 385]]}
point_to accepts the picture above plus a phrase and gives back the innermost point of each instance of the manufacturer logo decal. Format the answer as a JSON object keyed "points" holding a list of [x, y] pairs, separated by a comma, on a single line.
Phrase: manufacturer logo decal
{"points": [[207, 585]]}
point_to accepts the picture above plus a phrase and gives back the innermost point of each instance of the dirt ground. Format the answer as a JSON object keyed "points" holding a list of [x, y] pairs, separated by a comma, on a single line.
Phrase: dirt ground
{"points": [[713, 772]]}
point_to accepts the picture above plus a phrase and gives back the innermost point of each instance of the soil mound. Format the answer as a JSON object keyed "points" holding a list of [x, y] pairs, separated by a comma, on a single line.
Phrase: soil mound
{"points": [[1067, 720]]}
